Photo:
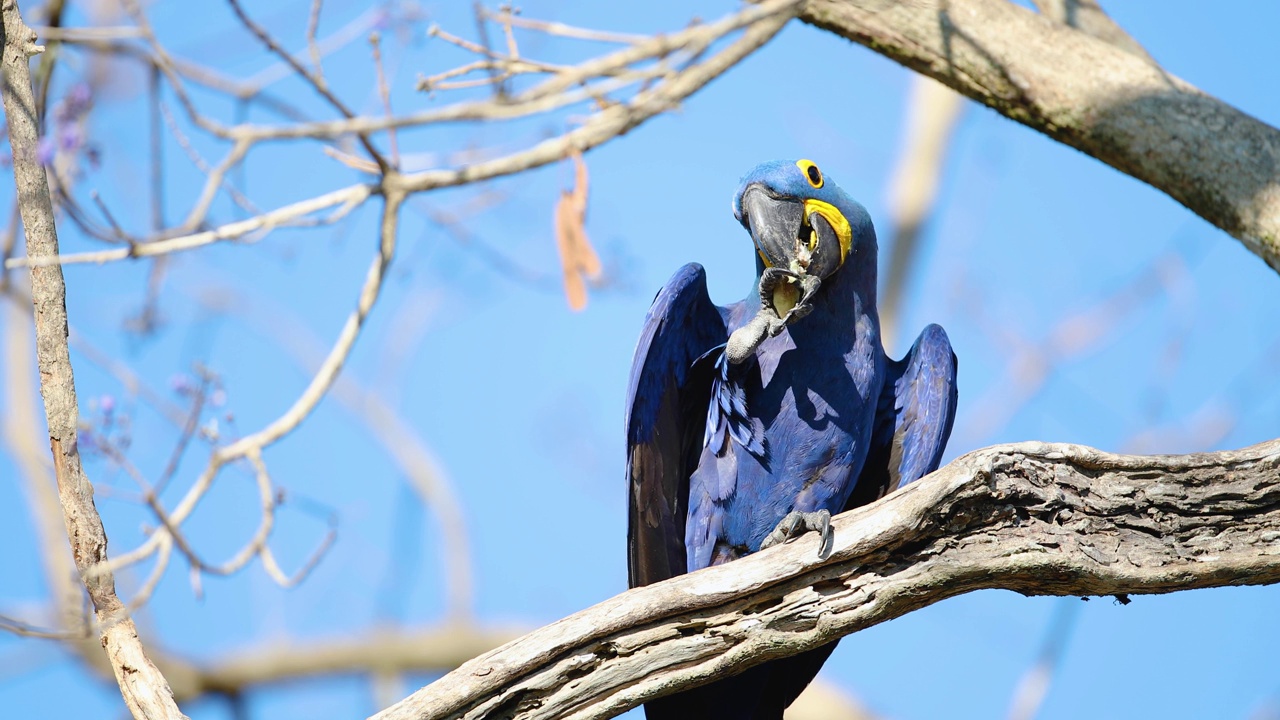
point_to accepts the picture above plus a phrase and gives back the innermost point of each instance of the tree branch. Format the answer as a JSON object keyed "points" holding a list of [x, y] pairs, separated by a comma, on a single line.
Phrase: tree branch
{"points": [[1105, 101], [570, 86], [144, 689], [1037, 518], [1089, 17], [424, 650]]}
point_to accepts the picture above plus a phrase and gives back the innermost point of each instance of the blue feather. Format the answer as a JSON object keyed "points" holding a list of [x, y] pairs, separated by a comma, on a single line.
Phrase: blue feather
{"points": [[727, 411]]}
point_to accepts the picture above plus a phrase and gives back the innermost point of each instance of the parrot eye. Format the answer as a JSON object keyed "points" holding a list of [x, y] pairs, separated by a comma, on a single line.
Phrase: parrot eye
{"points": [[811, 172]]}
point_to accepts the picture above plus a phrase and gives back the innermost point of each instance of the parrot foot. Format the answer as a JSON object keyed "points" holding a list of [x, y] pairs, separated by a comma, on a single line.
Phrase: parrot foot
{"points": [[768, 322], [771, 279], [744, 341], [797, 523]]}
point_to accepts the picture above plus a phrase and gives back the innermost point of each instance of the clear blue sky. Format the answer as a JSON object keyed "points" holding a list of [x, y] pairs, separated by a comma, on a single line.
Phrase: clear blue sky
{"points": [[522, 401]]}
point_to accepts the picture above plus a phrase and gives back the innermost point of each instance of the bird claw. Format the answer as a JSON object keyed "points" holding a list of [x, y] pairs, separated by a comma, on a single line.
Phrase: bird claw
{"points": [[744, 341], [769, 281], [797, 523]]}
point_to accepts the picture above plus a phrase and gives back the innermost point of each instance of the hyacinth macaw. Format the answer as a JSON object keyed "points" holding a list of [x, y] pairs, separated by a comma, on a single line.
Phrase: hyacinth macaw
{"points": [[752, 423]]}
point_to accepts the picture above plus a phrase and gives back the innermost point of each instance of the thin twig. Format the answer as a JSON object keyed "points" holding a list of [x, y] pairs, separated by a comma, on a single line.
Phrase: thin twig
{"points": [[506, 15], [384, 92], [265, 37], [251, 446], [313, 25]]}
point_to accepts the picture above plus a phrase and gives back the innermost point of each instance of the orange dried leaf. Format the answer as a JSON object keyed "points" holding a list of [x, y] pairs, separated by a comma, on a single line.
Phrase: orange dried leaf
{"points": [[574, 287], [578, 259]]}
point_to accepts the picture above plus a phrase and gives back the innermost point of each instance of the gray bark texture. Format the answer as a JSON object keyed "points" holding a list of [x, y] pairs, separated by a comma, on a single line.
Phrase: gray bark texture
{"points": [[144, 690], [1098, 97], [1040, 519]]}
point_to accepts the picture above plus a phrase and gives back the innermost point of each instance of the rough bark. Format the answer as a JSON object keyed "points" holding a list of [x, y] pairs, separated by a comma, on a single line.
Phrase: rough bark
{"points": [[1105, 101], [1041, 519], [1089, 17], [144, 689]]}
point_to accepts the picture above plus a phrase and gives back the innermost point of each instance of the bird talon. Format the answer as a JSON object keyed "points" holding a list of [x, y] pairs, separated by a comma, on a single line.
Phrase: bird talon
{"points": [[770, 279], [807, 286], [796, 313], [797, 523]]}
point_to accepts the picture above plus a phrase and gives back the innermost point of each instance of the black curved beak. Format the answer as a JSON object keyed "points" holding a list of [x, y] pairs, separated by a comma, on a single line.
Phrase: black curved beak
{"points": [[824, 258], [774, 223], [785, 237]]}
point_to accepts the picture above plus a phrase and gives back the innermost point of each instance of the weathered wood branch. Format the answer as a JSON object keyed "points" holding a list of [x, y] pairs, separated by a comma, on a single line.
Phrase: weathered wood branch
{"points": [[392, 650], [1088, 93], [1089, 17], [144, 689], [1041, 519]]}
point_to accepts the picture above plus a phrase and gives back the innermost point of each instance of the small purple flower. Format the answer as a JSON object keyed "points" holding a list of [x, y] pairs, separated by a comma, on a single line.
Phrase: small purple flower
{"points": [[80, 94], [46, 148], [181, 384], [75, 103], [107, 403], [218, 398], [70, 137]]}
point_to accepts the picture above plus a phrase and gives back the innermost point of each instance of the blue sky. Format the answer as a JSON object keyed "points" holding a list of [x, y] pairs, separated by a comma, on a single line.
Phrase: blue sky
{"points": [[522, 401]]}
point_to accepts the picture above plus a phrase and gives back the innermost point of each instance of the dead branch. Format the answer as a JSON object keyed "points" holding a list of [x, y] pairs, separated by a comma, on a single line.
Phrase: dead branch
{"points": [[1036, 518], [144, 689], [387, 650], [588, 81], [1089, 17]]}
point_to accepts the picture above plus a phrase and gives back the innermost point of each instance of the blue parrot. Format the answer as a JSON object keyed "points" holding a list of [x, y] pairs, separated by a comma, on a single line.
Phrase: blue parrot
{"points": [[752, 423]]}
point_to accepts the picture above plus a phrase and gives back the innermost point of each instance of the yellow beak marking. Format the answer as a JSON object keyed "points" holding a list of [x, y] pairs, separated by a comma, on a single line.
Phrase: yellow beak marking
{"points": [[837, 220]]}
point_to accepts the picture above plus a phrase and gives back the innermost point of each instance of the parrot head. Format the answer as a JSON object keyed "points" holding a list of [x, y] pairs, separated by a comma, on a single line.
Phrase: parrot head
{"points": [[799, 219]]}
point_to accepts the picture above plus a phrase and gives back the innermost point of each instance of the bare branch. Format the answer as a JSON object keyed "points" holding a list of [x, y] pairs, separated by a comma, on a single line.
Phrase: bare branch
{"points": [[313, 48], [384, 93], [341, 350], [621, 118], [1106, 102], [418, 463], [1089, 17], [549, 94], [345, 199], [144, 689], [428, 650], [314, 80], [22, 628], [506, 15], [1036, 518], [760, 24]]}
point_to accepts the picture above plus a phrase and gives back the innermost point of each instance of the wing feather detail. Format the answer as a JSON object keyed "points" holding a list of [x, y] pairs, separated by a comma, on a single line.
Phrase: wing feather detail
{"points": [[667, 400], [914, 419]]}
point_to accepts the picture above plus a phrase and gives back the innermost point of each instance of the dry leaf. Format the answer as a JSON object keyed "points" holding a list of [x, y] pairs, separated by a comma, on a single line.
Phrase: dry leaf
{"points": [[578, 259]]}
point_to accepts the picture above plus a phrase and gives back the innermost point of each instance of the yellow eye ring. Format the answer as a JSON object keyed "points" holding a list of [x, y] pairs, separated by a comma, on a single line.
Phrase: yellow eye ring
{"points": [[811, 172]]}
